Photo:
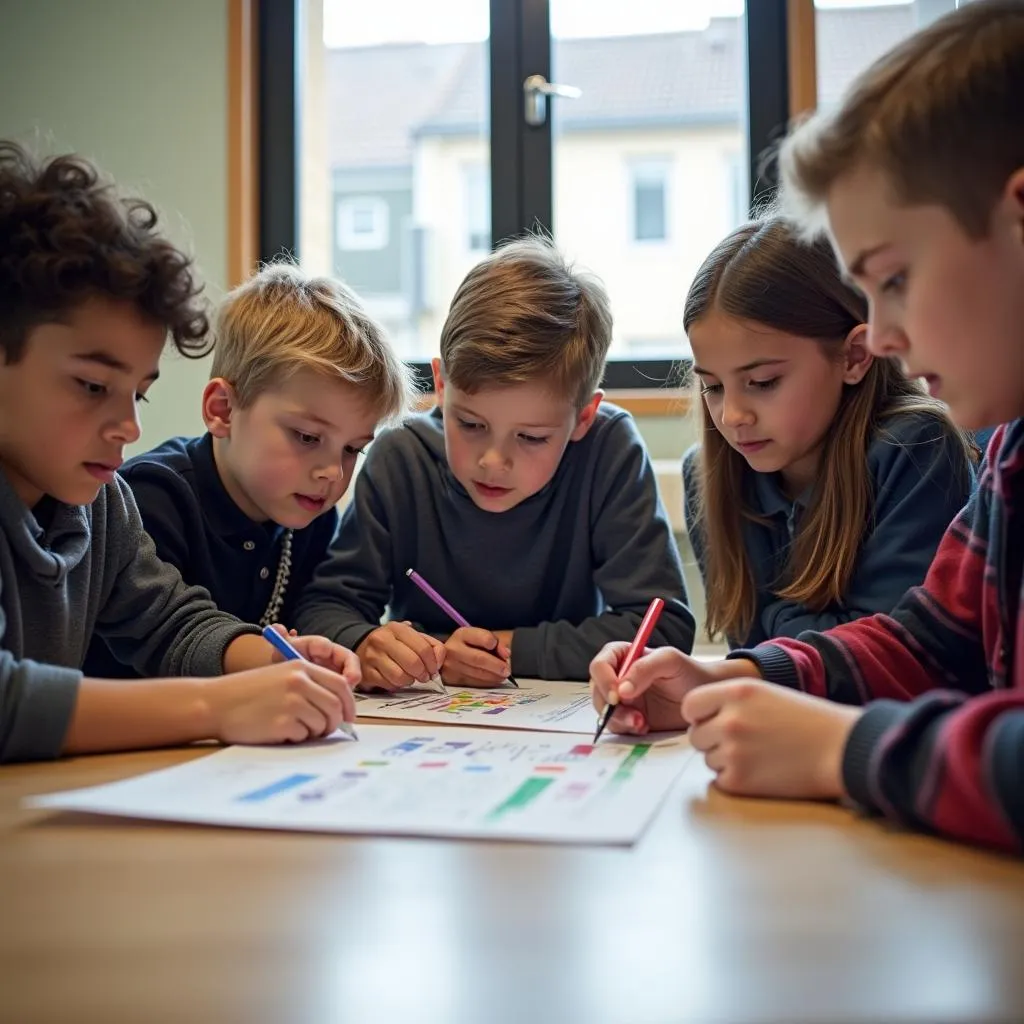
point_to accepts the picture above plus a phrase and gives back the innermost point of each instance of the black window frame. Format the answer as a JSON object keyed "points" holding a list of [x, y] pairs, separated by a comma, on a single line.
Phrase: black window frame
{"points": [[520, 45]]}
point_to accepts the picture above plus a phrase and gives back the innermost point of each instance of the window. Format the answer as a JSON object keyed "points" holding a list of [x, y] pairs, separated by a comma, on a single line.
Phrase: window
{"points": [[405, 151], [476, 179], [650, 203], [738, 202], [362, 223]]}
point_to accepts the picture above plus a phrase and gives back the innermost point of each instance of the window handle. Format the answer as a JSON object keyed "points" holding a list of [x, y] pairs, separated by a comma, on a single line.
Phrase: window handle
{"points": [[537, 89]]}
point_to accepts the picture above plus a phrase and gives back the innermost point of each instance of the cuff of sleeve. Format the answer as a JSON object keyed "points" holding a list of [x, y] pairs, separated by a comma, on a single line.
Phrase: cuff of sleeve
{"points": [[526, 653], [861, 745], [353, 635], [774, 664], [41, 719], [209, 659]]}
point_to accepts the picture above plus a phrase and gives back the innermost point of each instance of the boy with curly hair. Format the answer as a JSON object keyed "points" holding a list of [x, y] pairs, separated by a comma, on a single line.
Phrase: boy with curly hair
{"points": [[89, 292]]}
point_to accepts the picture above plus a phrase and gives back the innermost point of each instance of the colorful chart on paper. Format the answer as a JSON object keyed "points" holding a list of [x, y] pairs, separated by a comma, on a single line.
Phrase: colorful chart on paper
{"points": [[542, 705], [400, 780]]}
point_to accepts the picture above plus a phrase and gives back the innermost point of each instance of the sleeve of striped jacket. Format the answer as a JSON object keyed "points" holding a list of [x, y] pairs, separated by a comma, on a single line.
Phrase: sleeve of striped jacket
{"points": [[945, 762], [932, 639]]}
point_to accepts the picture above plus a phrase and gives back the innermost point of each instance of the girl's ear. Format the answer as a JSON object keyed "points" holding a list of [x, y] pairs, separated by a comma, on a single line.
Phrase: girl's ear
{"points": [[218, 405], [857, 359]]}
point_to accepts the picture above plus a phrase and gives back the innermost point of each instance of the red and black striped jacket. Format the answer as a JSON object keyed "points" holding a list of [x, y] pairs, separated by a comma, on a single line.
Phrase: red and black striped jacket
{"points": [[941, 743]]}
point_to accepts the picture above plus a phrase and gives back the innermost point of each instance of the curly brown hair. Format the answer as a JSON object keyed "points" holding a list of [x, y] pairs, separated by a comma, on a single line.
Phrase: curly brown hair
{"points": [[67, 236]]}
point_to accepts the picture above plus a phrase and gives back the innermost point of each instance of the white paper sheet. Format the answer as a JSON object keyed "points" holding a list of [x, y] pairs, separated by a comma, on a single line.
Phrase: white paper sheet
{"points": [[407, 780], [538, 704]]}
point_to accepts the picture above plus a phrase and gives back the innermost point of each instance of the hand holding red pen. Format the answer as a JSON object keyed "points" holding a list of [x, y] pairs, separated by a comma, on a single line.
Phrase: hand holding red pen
{"points": [[651, 692]]}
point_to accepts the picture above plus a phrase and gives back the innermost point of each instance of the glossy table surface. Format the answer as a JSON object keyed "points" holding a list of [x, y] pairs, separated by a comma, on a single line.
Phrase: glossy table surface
{"points": [[726, 910]]}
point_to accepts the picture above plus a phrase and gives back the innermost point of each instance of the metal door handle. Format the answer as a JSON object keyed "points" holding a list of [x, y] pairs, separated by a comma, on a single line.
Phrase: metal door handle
{"points": [[537, 89]]}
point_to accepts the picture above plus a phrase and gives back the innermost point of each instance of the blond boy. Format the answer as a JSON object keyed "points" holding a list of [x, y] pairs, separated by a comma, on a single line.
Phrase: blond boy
{"points": [[530, 505], [301, 378]]}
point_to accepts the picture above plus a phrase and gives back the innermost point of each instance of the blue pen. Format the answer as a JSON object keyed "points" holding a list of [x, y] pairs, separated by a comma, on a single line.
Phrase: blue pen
{"points": [[272, 636]]}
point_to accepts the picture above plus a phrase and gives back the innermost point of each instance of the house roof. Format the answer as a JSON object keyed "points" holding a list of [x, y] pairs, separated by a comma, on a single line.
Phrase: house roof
{"points": [[378, 94], [381, 98]]}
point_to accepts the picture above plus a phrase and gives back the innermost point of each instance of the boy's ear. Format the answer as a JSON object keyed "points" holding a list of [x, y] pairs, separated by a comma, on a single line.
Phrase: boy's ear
{"points": [[585, 417], [857, 358], [435, 369], [218, 405]]}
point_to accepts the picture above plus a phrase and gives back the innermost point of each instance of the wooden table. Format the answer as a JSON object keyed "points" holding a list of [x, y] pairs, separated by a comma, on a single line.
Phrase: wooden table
{"points": [[727, 910]]}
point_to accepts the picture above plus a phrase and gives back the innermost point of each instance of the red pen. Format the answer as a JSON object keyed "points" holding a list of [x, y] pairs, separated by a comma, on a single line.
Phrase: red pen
{"points": [[643, 634]]}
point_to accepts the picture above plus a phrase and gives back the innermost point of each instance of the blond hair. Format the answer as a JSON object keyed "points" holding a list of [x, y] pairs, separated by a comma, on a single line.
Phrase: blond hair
{"points": [[762, 272], [526, 314], [282, 321], [940, 116]]}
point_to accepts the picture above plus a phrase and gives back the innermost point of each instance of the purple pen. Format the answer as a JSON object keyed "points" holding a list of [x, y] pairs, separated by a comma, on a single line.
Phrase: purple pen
{"points": [[436, 597], [443, 605]]}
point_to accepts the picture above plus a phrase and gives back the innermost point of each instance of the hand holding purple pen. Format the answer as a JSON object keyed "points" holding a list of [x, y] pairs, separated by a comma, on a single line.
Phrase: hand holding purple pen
{"points": [[457, 617]]}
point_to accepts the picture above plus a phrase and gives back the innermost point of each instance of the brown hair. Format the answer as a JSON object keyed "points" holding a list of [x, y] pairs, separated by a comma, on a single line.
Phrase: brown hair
{"points": [[66, 237], [763, 273], [281, 321], [939, 115], [525, 314]]}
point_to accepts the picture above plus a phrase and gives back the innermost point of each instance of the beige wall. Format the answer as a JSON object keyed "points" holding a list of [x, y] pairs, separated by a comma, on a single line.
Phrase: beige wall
{"points": [[141, 87], [647, 281]]}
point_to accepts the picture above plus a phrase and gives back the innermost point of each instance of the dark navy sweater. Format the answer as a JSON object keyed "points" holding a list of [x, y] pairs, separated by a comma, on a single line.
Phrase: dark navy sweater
{"points": [[922, 479]]}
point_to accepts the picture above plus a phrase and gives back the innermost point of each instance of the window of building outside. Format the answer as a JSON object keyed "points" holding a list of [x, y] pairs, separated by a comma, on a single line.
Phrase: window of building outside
{"points": [[476, 179], [362, 223], [650, 200]]}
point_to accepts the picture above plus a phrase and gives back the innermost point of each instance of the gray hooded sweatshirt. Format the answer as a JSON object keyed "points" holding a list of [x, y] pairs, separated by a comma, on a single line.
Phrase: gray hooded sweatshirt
{"points": [[68, 571]]}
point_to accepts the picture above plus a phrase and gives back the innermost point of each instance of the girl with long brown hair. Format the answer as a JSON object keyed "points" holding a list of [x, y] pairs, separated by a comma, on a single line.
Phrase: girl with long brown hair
{"points": [[824, 478]]}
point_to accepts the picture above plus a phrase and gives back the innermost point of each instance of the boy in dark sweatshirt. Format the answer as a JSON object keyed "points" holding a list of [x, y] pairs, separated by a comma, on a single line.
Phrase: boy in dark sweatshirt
{"points": [[530, 505]]}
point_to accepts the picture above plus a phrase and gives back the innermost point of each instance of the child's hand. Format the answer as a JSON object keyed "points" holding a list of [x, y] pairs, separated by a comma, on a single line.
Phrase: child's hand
{"points": [[651, 695], [291, 701], [475, 657], [321, 651], [396, 655], [766, 740]]}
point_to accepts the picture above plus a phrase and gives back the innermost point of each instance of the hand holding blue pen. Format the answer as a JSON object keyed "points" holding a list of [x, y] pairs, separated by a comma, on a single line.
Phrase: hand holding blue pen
{"points": [[291, 653]]}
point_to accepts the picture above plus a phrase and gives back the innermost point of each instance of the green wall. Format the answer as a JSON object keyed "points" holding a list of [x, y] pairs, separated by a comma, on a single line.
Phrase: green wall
{"points": [[140, 86]]}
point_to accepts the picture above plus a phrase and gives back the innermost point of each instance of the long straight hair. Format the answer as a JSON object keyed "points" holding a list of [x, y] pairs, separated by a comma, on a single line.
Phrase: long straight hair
{"points": [[764, 273]]}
